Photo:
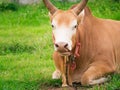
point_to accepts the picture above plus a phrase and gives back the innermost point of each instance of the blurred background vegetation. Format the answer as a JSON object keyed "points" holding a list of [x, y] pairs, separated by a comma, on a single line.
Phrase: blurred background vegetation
{"points": [[26, 43]]}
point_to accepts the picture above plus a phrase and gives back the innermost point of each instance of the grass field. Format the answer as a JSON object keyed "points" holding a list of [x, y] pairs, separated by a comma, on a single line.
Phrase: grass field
{"points": [[26, 46]]}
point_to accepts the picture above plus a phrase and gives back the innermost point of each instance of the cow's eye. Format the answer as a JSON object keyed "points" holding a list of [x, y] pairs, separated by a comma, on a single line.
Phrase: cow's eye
{"points": [[75, 27], [52, 26]]}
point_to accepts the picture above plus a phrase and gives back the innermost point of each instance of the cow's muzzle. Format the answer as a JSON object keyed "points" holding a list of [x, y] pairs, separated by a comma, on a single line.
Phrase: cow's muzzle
{"points": [[62, 48]]}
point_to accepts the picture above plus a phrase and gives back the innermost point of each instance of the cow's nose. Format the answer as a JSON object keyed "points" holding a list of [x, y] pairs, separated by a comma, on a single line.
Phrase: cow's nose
{"points": [[61, 45]]}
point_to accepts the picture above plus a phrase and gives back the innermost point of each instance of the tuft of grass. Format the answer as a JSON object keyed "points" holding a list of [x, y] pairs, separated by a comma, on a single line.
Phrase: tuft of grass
{"points": [[8, 6], [15, 47]]}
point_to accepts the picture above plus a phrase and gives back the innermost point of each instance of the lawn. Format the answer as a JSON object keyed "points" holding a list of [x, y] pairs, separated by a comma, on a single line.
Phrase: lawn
{"points": [[26, 45]]}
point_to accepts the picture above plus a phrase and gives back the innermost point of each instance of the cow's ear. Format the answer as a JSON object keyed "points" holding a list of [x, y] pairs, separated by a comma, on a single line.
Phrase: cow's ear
{"points": [[79, 7], [50, 15], [87, 11]]}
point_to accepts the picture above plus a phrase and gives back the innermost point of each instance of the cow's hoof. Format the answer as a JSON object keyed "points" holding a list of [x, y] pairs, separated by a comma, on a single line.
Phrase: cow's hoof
{"points": [[64, 85], [56, 75]]}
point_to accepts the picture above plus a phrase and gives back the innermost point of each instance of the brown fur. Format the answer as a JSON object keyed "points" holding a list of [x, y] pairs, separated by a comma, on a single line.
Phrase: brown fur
{"points": [[100, 48]]}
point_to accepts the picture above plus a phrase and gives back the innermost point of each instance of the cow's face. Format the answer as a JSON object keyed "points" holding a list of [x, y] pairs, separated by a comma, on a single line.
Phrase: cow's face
{"points": [[64, 24]]}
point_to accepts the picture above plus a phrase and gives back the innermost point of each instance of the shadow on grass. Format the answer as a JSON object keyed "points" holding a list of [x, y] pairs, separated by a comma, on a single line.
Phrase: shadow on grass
{"points": [[113, 84], [56, 85], [6, 48]]}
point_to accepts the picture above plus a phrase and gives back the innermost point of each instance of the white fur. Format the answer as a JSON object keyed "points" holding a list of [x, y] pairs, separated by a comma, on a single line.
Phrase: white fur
{"points": [[98, 81], [82, 15], [64, 33], [56, 74]]}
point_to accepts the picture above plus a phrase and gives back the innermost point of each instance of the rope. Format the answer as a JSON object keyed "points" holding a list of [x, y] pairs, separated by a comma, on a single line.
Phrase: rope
{"points": [[66, 68]]}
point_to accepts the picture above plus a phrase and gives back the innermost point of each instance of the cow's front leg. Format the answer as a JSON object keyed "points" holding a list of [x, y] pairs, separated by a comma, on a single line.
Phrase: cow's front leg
{"points": [[60, 65], [63, 68], [64, 81], [67, 73], [94, 74]]}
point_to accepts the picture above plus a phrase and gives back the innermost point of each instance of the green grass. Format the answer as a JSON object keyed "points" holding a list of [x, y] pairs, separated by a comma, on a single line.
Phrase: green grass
{"points": [[26, 46]]}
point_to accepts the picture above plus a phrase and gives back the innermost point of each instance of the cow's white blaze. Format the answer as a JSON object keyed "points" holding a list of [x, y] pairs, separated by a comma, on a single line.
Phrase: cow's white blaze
{"points": [[64, 32]]}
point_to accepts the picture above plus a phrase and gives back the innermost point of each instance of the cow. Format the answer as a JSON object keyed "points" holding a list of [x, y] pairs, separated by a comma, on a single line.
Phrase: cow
{"points": [[90, 44]]}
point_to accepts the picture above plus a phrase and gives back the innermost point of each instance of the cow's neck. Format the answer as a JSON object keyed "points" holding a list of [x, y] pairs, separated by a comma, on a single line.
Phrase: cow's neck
{"points": [[84, 31]]}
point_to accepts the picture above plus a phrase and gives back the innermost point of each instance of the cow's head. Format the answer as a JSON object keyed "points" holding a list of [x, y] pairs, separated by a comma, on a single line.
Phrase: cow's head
{"points": [[64, 25]]}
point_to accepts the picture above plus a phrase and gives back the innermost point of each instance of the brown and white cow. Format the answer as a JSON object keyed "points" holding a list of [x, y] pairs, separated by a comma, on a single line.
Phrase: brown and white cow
{"points": [[98, 54]]}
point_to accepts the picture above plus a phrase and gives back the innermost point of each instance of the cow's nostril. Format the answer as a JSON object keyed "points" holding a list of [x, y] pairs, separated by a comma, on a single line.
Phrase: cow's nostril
{"points": [[56, 45], [65, 45]]}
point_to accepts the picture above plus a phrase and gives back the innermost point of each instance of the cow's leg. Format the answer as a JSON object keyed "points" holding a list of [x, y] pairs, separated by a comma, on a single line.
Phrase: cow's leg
{"points": [[93, 75], [60, 68], [99, 81], [57, 61], [56, 74]]}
